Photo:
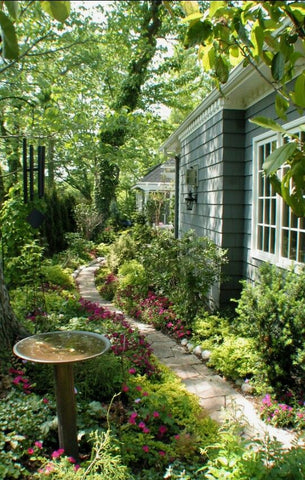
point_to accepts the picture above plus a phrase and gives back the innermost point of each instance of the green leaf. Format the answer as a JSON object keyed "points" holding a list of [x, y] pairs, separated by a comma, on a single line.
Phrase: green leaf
{"points": [[281, 106], [278, 157], [214, 6], [242, 32], [268, 123], [299, 91], [60, 10], [10, 49], [13, 8], [221, 69], [257, 37], [193, 17], [198, 33], [278, 66], [190, 7]]}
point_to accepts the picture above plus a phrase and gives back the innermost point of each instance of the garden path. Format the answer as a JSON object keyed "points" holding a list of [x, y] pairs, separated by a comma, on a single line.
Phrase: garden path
{"points": [[216, 396]]}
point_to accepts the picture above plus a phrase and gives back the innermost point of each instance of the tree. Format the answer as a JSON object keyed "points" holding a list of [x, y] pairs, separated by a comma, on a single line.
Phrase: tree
{"points": [[10, 329], [261, 34]]}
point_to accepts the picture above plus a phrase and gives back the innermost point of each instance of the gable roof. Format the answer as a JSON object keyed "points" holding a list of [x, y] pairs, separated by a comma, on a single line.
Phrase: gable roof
{"points": [[160, 177]]}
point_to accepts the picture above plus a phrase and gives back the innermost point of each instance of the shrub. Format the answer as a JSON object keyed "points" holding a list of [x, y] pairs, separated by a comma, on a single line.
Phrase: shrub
{"points": [[106, 283], [236, 358], [122, 250], [272, 312], [183, 270], [208, 326], [57, 275], [132, 273]]}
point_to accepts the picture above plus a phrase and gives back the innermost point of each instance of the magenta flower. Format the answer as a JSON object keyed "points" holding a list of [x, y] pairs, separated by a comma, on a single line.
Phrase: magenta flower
{"points": [[145, 448], [57, 453], [30, 451], [156, 414], [161, 453], [162, 429], [45, 400], [125, 388], [38, 444], [132, 371], [132, 418]]}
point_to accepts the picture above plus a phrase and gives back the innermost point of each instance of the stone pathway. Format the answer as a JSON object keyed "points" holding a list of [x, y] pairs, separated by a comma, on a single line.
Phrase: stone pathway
{"points": [[215, 395]]}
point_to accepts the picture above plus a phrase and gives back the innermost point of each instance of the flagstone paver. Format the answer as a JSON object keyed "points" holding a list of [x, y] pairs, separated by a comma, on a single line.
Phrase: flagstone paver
{"points": [[216, 395]]}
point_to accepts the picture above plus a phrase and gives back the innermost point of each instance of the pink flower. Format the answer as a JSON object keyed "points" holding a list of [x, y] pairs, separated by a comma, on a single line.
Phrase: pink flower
{"points": [[161, 453], [145, 430], [57, 453], [125, 388], [45, 400], [30, 451], [76, 467], [177, 437], [132, 418], [132, 371], [145, 394], [162, 429], [38, 445], [156, 414], [145, 448], [139, 388], [71, 459], [142, 425]]}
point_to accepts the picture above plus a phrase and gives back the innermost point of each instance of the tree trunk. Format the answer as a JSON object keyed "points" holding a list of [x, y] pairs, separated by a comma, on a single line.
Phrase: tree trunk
{"points": [[10, 330], [107, 176]]}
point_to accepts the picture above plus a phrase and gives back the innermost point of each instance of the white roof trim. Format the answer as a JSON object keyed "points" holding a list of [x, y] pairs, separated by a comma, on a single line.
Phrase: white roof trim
{"points": [[245, 86]]}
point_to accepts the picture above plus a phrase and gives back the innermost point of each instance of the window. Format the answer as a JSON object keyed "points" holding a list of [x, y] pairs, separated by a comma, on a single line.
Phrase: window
{"points": [[278, 235]]}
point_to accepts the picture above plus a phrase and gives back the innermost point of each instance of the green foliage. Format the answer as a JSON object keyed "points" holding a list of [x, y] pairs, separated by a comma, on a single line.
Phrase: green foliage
{"points": [[132, 273], [15, 230], [122, 250], [57, 275], [236, 458], [87, 220], [19, 430], [272, 312], [107, 283], [164, 422], [236, 358], [77, 253], [25, 268], [208, 326], [183, 270], [100, 378]]}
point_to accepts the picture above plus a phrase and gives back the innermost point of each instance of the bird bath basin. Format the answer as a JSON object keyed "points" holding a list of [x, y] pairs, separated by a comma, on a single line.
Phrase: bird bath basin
{"points": [[62, 349]]}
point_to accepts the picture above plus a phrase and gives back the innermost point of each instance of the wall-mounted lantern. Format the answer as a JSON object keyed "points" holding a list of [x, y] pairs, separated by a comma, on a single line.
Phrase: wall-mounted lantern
{"points": [[190, 200], [191, 176]]}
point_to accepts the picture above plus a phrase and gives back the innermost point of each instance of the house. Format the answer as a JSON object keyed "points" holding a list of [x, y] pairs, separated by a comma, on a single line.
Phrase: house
{"points": [[222, 192], [161, 180]]}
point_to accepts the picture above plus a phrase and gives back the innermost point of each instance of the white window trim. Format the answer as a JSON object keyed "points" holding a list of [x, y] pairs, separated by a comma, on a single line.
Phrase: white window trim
{"points": [[276, 258]]}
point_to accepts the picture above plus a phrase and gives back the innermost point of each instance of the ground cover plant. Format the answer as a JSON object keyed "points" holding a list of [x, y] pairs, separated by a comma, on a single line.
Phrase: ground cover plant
{"points": [[134, 417], [259, 343]]}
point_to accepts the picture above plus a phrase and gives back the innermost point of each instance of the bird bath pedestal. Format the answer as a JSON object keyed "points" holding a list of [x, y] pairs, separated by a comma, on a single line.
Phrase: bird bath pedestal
{"points": [[62, 349]]}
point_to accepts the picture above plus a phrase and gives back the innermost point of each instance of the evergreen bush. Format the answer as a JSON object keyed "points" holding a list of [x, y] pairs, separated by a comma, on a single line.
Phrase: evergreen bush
{"points": [[271, 311]]}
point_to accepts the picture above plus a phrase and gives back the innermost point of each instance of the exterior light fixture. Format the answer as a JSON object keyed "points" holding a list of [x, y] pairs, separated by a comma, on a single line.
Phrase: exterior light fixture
{"points": [[190, 200]]}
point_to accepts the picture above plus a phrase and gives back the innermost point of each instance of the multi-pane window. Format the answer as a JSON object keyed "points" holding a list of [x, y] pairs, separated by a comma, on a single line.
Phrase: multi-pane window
{"points": [[278, 234]]}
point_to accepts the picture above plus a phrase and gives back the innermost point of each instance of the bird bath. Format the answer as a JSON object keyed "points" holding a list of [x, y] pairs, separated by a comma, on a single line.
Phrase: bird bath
{"points": [[62, 349]]}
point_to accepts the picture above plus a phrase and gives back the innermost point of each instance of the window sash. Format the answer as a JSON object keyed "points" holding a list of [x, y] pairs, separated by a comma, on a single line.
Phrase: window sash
{"points": [[278, 235]]}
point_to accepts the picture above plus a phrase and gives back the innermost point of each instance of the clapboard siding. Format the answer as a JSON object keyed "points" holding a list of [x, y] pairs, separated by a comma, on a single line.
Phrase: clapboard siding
{"points": [[217, 149]]}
